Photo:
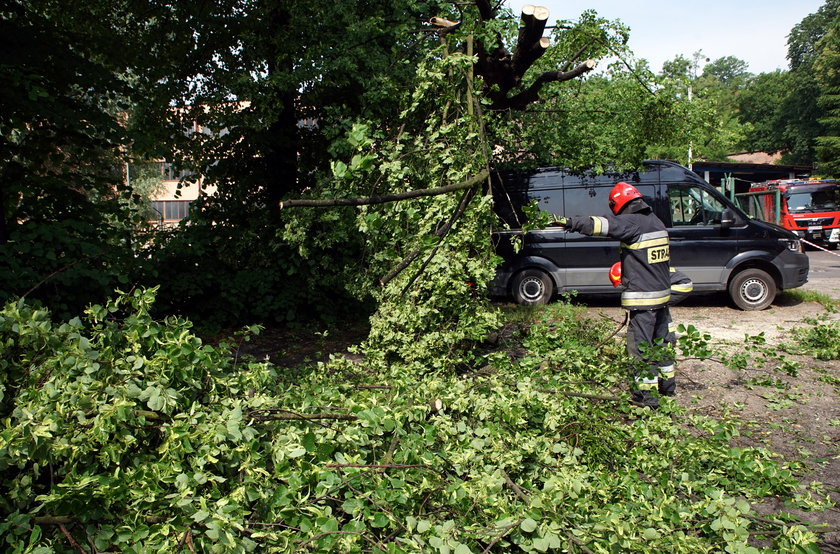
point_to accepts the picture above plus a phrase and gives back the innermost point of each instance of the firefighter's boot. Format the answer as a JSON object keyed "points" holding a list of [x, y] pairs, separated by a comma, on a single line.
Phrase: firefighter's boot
{"points": [[668, 387], [645, 398]]}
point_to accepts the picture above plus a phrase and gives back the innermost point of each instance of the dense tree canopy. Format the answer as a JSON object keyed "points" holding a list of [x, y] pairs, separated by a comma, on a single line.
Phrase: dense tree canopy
{"points": [[392, 97], [801, 105], [827, 66]]}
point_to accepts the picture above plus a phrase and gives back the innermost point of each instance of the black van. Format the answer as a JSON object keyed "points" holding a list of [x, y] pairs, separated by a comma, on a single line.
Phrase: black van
{"points": [[712, 240]]}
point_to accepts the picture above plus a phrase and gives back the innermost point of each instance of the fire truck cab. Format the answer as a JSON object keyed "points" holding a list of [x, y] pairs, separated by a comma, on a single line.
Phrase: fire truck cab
{"points": [[811, 209]]}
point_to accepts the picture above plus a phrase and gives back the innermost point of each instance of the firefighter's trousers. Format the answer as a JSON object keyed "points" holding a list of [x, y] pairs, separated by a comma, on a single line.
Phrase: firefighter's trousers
{"points": [[651, 343]]}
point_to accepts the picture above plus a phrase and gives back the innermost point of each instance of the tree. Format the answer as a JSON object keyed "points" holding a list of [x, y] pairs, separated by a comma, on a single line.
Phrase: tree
{"points": [[827, 66], [707, 125], [393, 97], [729, 71], [761, 106], [803, 124], [60, 140]]}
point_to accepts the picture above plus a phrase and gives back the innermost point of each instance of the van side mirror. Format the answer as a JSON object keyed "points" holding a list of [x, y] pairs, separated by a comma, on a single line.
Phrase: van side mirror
{"points": [[728, 219]]}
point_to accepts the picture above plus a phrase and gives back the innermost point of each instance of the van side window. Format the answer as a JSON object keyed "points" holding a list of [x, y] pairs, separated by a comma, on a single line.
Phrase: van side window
{"points": [[587, 200], [693, 206], [548, 200]]}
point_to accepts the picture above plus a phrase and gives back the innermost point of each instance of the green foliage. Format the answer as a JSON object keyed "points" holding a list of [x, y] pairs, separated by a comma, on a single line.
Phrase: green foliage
{"points": [[820, 339], [762, 105], [708, 122], [63, 233], [802, 104], [137, 436], [65, 264], [828, 75]]}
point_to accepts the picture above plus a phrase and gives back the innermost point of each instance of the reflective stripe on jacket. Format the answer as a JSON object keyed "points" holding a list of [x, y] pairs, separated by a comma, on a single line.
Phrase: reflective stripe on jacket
{"points": [[645, 255], [681, 286]]}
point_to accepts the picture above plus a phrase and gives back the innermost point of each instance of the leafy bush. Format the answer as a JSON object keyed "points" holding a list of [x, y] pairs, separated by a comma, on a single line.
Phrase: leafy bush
{"points": [[219, 277], [65, 264], [130, 434]]}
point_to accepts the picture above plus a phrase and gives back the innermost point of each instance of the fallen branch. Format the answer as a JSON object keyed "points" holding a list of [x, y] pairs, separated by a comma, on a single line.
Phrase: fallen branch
{"points": [[70, 538], [501, 534], [186, 539], [440, 234], [58, 521], [520, 492], [385, 198], [582, 395], [384, 466], [299, 547], [280, 413], [580, 544]]}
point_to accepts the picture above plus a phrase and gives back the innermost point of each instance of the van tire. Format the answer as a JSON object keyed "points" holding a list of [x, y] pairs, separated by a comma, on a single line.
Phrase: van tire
{"points": [[752, 289], [532, 286]]}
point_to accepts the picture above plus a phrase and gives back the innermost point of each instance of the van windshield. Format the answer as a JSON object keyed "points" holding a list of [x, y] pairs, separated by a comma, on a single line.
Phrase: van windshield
{"points": [[823, 199]]}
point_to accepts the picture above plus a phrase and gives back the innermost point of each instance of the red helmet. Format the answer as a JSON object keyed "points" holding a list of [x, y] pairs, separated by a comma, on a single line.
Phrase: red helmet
{"points": [[615, 274], [621, 194]]}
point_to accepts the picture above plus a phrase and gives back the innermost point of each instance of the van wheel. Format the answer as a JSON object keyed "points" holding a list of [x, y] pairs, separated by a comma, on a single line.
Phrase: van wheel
{"points": [[752, 289], [532, 286]]}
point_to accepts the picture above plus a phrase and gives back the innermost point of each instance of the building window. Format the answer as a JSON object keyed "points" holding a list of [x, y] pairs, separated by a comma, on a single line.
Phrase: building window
{"points": [[169, 173], [171, 210]]}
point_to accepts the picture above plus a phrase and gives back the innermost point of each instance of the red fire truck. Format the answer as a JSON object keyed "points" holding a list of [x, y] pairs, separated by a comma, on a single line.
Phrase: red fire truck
{"points": [[811, 209]]}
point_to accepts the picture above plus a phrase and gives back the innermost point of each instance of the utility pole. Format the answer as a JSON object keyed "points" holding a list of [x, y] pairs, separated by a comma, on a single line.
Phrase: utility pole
{"points": [[689, 140]]}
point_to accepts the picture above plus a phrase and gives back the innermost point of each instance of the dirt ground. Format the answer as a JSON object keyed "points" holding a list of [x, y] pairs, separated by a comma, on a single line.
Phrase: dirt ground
{"points": [[797, 417]]}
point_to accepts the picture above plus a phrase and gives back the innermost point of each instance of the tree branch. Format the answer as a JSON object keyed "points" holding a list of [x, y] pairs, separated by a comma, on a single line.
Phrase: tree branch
{"points": [[444, 26], [525, 58], [531, 94], [485, 10], [385, 198], [383, 466], [530, 44], [520, 492], [467, 198], [53, 274], [70, 538], [288, 415]]}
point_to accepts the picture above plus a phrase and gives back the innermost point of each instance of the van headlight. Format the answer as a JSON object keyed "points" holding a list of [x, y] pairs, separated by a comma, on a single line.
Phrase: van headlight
{"points": [[794, 245]]}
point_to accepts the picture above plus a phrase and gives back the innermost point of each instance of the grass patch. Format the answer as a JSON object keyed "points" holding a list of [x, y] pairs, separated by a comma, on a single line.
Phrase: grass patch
{"points": [[802, 295]]}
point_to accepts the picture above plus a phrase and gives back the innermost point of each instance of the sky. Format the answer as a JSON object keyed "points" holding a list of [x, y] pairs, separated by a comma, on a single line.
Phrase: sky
{"points": [[752, 30]]}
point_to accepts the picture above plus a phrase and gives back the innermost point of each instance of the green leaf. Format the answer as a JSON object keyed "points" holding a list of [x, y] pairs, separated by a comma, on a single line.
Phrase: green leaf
{"points": [[200, 515], [528, 525], [296, 452]]}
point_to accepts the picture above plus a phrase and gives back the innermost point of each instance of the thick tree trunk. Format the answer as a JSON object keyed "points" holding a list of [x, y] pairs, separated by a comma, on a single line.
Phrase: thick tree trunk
{"points": [[502, 72], [4, 226], [282, 142]]}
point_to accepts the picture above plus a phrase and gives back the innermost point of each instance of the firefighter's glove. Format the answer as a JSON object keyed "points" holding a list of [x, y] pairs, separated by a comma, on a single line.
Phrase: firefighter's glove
{"points": [[561, 222]]}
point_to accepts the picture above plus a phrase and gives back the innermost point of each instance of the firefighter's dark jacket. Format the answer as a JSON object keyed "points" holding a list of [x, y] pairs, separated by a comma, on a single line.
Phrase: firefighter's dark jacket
{"points": [[645, 254]]}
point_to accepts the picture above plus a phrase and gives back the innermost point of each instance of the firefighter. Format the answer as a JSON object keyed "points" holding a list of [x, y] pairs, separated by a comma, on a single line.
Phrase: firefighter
{"points": [[645, 257]]}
